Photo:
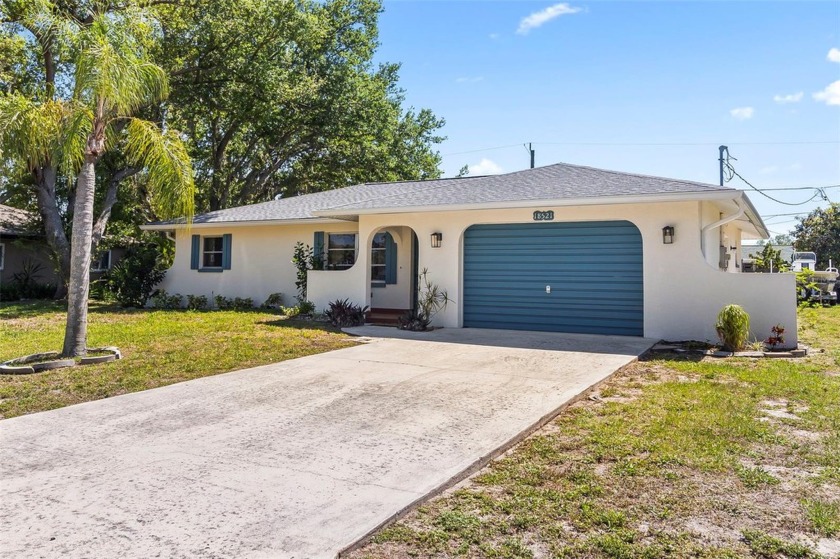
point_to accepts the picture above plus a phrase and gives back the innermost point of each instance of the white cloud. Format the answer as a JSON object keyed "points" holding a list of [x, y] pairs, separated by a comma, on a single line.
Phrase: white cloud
{"points": [[792, 98], [542, 17], [833, 55], [830, 95], [773, 169], [742, 113], [469, 79], [485, 167], [494, 36]]}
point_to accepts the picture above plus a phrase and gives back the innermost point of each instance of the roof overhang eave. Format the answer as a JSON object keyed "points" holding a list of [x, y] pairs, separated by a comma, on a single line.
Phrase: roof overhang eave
{"points": [[228, 224], [754, 217], [604, 200]]}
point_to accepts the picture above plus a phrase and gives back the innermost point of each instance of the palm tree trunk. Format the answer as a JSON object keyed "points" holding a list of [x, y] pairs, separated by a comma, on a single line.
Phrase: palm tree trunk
{"points": [[75, 334]]}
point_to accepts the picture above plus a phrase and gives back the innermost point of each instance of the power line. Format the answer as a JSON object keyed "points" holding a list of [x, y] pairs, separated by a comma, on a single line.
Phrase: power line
{"points": [[731, 172], [646, 144], [801, 188]]}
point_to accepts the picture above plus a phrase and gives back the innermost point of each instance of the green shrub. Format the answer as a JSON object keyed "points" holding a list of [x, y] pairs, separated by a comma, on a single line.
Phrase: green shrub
{"points": [[162, 300], [344, 313], [9, 292], [243, 304], [133, 279], [733, 327], [303, 308], [306, 308], [274, 301], [223, 303], [196, 302]]}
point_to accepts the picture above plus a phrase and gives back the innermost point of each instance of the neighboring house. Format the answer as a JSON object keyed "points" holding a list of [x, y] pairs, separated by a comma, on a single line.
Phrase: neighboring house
{"points": [[21, 249], [103, 260], [559, 248], [752, 251]]}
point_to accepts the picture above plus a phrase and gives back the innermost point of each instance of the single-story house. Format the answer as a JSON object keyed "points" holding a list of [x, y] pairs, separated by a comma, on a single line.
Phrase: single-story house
{"points": [[21, 248], [561, 248]]}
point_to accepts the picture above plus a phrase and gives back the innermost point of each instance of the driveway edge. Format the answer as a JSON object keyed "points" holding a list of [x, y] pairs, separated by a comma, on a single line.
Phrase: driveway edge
{"points": [[484, 460]]}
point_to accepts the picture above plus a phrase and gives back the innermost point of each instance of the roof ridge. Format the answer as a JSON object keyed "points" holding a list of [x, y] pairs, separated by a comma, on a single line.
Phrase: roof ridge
{"points": [[427, 189], [640, 175]]}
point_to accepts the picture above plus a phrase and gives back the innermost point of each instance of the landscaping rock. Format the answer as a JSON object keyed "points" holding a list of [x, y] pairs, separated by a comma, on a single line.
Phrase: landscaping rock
{"points": [[50, 365], [98, 359], [10, 370], [750, 354]]}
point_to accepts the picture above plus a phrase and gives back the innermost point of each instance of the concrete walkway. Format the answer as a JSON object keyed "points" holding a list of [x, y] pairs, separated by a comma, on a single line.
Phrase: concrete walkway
{"points": [[297, 459]]}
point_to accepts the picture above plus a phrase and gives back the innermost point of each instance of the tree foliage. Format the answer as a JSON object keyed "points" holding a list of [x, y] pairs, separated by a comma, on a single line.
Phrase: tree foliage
{"points": [[271, 98], [819, 232], [770, 260], [282, 98]]}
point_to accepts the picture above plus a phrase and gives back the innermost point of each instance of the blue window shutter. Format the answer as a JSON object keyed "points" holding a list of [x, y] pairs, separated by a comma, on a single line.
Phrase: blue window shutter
{"points": [[390, 260], [318, 249], [196, 252], [226, 239]]}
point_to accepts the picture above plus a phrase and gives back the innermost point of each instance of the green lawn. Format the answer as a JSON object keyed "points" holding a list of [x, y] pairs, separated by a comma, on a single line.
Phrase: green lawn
{"points": [[675, 457], [159, 348]]}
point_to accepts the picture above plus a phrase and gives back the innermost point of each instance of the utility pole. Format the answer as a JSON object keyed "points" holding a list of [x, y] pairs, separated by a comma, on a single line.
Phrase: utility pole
{"points": [[722, 149], [531, 151]]}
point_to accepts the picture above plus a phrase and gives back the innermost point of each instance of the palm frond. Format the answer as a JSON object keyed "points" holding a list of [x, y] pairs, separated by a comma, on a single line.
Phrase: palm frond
{"points": [[113, 71], [78, 122], [30, 131], [167, 163]]}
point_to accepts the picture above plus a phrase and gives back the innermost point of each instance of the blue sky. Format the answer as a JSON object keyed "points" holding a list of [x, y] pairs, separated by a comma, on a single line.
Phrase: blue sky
{"points": [[762, 77]]}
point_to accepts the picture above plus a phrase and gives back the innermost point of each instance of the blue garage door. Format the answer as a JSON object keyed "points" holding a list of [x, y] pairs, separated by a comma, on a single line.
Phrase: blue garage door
{"points": [[593, 270]]}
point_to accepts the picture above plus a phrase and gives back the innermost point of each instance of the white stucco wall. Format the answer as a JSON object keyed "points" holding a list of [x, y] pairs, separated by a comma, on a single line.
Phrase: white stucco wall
{"points": [[261, 261], [683, 291], [354, 284]]}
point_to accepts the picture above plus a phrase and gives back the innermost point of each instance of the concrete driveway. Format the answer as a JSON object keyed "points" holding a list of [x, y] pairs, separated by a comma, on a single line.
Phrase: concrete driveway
{"points": [[296, 459]]}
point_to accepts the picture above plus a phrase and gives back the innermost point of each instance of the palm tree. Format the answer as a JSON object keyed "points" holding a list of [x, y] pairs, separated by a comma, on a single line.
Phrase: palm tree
{"points": [[114, 78]]}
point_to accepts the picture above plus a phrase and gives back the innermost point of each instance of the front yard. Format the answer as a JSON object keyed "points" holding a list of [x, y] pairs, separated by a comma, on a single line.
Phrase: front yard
{"points": [[159, 348], [674, 457]]}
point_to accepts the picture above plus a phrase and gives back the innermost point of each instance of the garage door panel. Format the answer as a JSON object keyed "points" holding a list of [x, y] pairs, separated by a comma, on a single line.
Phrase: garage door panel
{"points": [[594, 270]]}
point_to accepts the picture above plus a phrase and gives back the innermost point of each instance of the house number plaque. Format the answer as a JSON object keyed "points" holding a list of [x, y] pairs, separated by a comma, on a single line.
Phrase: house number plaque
{"points": [[544, 216]]}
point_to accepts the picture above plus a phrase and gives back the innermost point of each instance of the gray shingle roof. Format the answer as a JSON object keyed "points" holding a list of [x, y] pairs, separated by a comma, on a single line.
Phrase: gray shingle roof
{"points": [[553, 182], [13, 221]]}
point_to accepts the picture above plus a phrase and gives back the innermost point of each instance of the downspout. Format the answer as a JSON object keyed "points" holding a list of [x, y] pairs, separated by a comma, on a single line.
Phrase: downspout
{"points": [[719, 223]]}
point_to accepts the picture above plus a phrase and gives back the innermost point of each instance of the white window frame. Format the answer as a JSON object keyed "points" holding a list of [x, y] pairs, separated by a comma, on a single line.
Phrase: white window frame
{"points": [[2, 255], [327, 236], [95, 266], [220, 252], [384, 265]]}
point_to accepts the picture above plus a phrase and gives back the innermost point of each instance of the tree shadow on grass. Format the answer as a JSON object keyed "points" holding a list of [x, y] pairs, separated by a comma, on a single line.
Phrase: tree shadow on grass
{"points": [[30, 308], [672, 356]]}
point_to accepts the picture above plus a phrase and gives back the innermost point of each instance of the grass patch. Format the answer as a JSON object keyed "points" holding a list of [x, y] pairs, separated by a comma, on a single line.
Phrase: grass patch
{"points": [[698, 463], [765, 546], [158, 347], [824, 516]]}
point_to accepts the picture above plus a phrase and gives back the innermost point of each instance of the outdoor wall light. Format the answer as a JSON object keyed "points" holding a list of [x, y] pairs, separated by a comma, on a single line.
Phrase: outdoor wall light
{"points": [[668, 235], [437, 239]]}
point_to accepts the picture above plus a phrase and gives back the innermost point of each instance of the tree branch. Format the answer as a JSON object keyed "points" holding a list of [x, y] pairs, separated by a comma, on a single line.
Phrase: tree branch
{"points": [[108, 204]]}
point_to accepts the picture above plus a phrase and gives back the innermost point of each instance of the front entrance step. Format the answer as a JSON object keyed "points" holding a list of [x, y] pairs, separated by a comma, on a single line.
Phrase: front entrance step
{"points": [[384, 317]]}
